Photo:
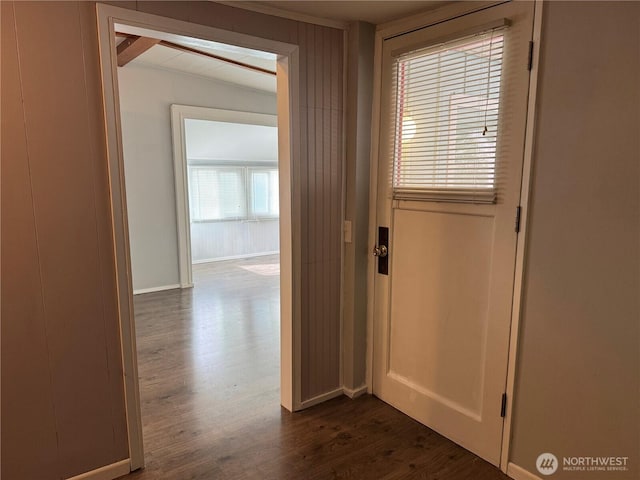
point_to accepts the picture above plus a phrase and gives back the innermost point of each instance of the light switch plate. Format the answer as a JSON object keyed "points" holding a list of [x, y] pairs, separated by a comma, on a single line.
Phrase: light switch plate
{"points": [[347, 231]]}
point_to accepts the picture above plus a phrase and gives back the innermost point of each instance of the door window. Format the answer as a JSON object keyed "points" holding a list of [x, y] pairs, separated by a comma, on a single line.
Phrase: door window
{"points": [[446, 120]]}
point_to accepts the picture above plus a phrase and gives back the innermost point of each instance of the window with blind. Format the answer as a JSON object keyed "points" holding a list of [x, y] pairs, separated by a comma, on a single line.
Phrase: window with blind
{"points": [[446, 120], [221, 192], [264, 192]]}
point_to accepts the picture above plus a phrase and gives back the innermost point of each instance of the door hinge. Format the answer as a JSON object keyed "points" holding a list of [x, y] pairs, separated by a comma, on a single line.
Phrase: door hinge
{"points": [[518, 213], [503, 405], [530, 61]]}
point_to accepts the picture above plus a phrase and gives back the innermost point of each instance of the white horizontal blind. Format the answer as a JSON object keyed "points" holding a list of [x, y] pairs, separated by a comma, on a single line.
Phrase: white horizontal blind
{"points": [[446, 120], [264, 192], [223, 192], [217, 193]]}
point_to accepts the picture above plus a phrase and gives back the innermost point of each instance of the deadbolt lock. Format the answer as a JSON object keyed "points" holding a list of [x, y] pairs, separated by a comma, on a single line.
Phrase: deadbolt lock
{"points": [[380, 251]]}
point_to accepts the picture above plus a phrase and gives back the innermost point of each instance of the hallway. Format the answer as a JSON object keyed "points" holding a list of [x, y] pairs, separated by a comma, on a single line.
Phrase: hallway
{"points": [[209, 378]]}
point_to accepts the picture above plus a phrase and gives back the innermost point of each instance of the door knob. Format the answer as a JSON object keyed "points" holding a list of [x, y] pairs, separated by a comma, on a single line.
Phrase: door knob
{"points": [[380, 251]]}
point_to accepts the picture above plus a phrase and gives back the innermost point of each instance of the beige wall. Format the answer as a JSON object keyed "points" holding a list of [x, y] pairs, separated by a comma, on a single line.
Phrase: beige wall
{"points": [[361, 38], [62, 397], [578, 377], [62, 392], [578, 369]]}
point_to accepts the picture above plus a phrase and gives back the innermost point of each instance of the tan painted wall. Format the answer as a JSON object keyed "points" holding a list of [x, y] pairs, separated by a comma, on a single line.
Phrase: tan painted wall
{"points": [[62, 392], [578, 378], [62, 397], [359, 100]]}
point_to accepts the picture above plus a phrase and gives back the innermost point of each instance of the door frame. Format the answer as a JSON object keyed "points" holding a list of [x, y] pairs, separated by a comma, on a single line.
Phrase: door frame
{"points": [[400, 27], [179, 113], [288, 108]]}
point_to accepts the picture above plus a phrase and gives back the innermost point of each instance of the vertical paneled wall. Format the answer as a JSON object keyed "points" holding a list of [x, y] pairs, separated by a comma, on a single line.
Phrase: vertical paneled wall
{"points": [[62, 399], [26, 385], [320, 166], [321, 173], [62, 392]]}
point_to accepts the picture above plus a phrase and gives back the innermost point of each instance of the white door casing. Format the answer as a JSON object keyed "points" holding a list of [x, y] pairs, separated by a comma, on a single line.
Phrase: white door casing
{"points": [[179, 113], [288, 108], [442, 316]]}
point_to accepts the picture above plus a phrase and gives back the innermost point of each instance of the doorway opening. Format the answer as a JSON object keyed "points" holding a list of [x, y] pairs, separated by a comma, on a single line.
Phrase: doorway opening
{"points": [[227, 183], [256, 343]]}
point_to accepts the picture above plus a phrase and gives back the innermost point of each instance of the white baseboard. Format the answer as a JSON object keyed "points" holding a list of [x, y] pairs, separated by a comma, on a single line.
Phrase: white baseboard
{"points": [[158, 289], [355, 393], [321, 398], [234, 257], [108, 472], [519, 473]]}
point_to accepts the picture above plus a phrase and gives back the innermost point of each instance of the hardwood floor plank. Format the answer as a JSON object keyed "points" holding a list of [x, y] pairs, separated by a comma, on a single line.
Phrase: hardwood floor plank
{"points": [[209, 379]]}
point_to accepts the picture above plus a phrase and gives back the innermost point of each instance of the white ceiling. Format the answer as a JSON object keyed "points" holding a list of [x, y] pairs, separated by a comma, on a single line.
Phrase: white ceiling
{"points": [[376, 12], [160, 56], [207, 139]]}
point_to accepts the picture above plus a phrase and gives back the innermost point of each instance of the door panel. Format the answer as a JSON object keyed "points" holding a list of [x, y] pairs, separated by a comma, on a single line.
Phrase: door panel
{"points": [[432, 325], [442, 315]]}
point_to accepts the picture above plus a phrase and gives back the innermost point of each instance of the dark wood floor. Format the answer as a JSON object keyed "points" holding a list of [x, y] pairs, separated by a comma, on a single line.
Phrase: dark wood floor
{"points": [[209, 374]]}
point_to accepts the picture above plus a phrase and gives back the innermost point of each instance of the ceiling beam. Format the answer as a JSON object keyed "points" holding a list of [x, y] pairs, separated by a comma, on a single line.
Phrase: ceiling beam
{"points": [[195, 51], [133, 46]]}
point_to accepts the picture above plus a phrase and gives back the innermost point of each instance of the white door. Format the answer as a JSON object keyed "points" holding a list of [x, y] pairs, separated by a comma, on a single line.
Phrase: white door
{"points": [[453, 111]]}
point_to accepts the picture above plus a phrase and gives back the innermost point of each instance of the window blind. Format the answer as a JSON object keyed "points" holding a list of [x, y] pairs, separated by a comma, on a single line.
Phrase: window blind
{"points": [[446, 120], [217, 193], [264, 192], [223, 192]]}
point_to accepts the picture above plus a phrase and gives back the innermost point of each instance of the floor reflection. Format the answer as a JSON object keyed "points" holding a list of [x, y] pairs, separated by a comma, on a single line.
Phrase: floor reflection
{"points": [[209, 378], [209, 356]]}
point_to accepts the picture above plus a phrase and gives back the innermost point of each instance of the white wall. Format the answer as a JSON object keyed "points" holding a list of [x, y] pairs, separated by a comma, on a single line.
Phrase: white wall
{"points": [[146, 95], [221, 240], [210, 142]]}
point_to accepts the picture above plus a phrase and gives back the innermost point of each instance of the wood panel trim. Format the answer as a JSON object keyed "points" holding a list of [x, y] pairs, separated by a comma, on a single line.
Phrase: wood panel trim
{"points": [[108, 472], [161, 288], [519, 473], [322, 398], [355, 392]]}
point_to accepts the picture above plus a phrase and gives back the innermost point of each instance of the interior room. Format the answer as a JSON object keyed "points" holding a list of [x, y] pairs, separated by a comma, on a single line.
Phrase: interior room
{"points": [[436, 259], [201, 338]]}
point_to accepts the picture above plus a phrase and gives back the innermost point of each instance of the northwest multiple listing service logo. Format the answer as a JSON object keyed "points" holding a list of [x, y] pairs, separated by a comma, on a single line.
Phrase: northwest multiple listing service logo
{"points": [[548, 464]]}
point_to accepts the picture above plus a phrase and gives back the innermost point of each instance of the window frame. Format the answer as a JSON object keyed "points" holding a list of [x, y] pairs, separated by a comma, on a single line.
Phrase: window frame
{"points": [[440, 193], [249, 197], [246, 169]]}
